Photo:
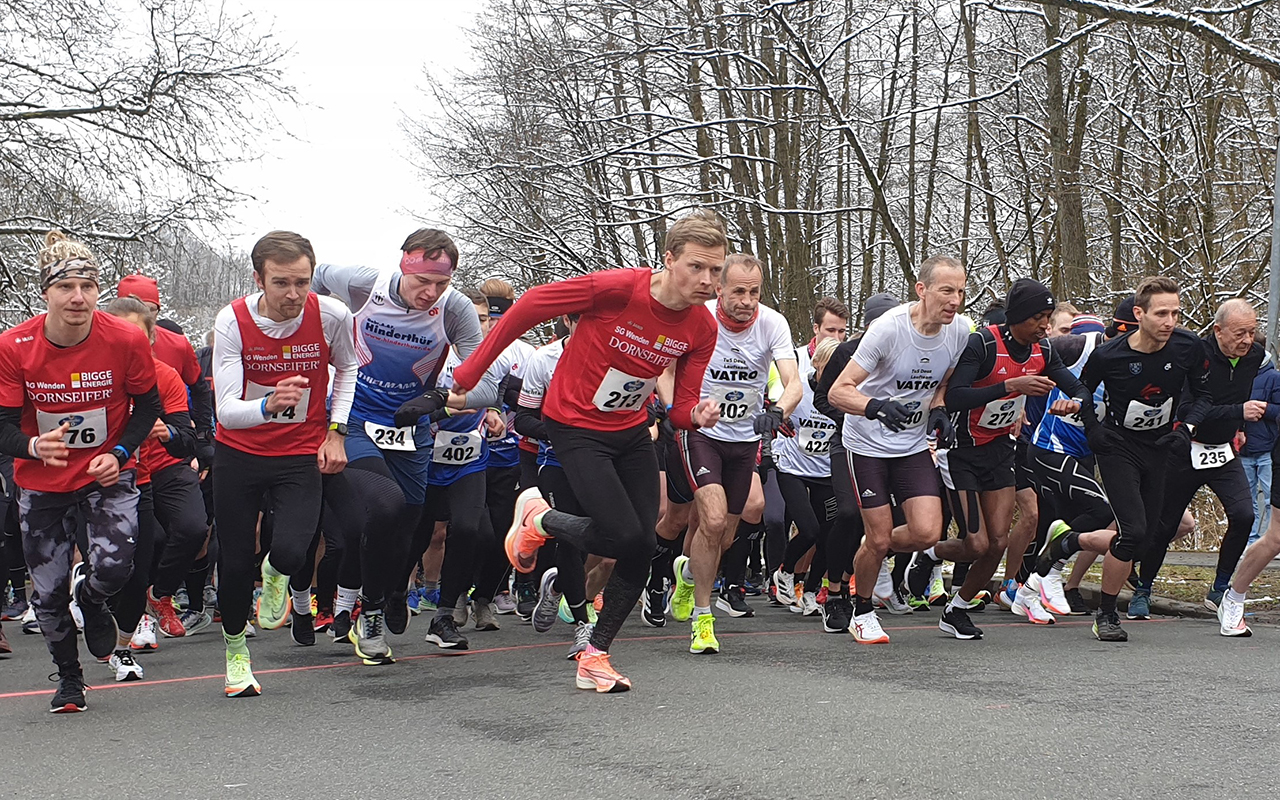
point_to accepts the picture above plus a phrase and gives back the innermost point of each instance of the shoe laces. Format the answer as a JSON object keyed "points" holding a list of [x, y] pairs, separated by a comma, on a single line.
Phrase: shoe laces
{"points": [[372, 626], [238, 666], [125, 657], [72, 679], [582, 634], [448, 625]]}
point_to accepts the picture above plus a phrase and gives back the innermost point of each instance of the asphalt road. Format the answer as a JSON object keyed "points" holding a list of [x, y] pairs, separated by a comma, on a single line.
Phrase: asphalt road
{"points": [[784, 712]]}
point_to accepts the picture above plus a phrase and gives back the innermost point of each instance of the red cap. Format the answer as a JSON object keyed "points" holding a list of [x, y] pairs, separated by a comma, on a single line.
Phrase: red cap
{"points": [[141, 287]]}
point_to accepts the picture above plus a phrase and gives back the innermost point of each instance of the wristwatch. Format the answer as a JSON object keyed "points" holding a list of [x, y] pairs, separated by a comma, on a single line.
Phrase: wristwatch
{"points": [[340, 427]]}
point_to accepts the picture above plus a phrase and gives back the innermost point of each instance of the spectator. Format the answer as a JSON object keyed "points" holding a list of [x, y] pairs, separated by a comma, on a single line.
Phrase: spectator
{"points": [[1260, 440]]}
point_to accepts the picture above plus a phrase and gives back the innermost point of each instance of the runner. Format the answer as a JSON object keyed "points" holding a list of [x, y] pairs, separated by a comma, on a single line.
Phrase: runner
{"points": [[1234, 360], [67, 378], [634, 324], [272, 352], [1001, 366], [892, 394]]}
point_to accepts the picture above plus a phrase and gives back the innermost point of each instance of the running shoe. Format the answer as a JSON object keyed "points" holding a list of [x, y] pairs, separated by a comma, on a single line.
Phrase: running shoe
{"points": [[180, 598], [733, 601], [239, 681], [302, 628], [1052, 597], [1213, 599], [341, 627], [653, 610], [682, 599], [1079, 607], [211, 603], [823, 593], [29, 622], [595, 672], [919, 571], [194, 621], [324, 618], [504, 603], [166, 617], [250, 632], [784, 585], [1106, 627], [563, 612], [809, 605], [443, 633], [14, 610], [526, 599], [99, 624], [866, 629], [598, 602], [895, 601], [126, 669], [414, 600], [428, 600], [483, 616], [837, 614], [274, 602], [144, 636], [581, 638], [1026, 604], [369, 640], [937, 589], [1052, 550], [1008, 592], [980, 601], [77, 614], [396, 612], [956, 622], [1231, 618], [702, 639], [548, 605], [462, 610], [69, 698], [524, 539], [1139, 606]]}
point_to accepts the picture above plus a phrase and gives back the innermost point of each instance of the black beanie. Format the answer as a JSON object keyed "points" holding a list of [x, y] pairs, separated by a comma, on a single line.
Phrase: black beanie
{"points": [[1027, 298]]}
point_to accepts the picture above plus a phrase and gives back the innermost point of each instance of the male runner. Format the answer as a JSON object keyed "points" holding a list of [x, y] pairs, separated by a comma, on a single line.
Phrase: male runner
{"points": [[67, 379], [720, 461], [272, 352], [634, 324], [892, 392]]}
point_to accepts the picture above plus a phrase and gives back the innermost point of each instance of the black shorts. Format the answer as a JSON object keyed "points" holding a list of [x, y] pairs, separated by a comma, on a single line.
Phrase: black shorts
{"points": [[879, 481], [1024, 477], [705, 461], [985, 468]]}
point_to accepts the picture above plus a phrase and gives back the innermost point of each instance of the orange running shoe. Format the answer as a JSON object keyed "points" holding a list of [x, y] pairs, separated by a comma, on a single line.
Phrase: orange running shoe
{"points": [[524, 538], [595, 672], [598, 603]]}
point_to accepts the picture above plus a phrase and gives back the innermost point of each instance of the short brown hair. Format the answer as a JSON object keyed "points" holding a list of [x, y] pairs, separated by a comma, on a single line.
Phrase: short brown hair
{"points": [[1151, 286], [282, 247], [746, 261], [702, 227], [432, 243], [132, 306], [829, 305], [497, 287]]}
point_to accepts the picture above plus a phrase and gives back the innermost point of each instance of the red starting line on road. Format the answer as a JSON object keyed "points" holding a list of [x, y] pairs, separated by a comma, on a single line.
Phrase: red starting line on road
{"points": [[510, 649]]}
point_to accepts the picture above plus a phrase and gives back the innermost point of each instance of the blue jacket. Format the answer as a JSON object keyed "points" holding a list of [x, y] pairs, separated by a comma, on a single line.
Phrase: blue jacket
{"points": [[1260, 436]]}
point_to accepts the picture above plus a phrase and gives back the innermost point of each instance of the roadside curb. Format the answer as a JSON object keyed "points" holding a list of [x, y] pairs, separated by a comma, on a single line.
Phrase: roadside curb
{"points": [[1163, 606]]}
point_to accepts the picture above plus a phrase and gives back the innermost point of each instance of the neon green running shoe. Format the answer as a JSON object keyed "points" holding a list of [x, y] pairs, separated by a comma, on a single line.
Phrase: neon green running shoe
{"points": [[274, 603], [566, 616], [703, 639], [240, 682], [682, 599]]}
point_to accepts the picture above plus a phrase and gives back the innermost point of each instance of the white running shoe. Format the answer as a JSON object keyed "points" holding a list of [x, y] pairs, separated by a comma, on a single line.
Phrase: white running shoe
{"points": [[784, 584], [1026, 604], [866, 629], [144, 638], [1052, 597], [884, 581], [1231, 618], [125, 668], [29, 623], [809, 605], [884, 596]]}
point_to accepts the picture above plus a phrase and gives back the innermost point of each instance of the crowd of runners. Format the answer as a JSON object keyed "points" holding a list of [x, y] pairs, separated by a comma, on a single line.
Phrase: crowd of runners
{"points": [[358, 446]]}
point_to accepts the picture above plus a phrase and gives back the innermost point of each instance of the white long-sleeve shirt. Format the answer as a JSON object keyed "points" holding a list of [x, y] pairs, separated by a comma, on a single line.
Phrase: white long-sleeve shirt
{"points": [[228, 370]]}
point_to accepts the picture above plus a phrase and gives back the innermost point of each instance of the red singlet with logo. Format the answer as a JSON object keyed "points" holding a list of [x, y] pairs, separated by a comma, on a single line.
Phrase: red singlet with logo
{"points": [[152, 457], [1002, 417], [624, 340], [295, 431], [174, 350], [87, 385]]}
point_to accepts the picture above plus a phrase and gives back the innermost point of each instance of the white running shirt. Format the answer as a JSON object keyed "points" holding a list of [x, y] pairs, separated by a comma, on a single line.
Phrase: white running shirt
{"points": [[738, 373]]}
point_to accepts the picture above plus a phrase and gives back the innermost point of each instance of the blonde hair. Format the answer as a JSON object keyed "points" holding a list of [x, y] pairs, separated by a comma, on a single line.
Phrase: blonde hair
{"points": [[59, 247], [497, 287], [822, 354], [702, 227]]}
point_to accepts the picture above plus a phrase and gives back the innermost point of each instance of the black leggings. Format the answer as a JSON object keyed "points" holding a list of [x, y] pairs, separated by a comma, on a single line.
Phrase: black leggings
{"points": [[294, 487], [845, 536], [615, 478], [776, 528], [811, 505], [179, 508], [128, 604], [571, 576], [1133, 475], [491, 562], [380, 534], [461, 504]]}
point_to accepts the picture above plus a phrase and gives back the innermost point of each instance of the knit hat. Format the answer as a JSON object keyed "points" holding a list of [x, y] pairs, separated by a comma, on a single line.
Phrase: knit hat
{"points": [[1088, 323], [1123, 320], [1027, 298], [876, 305]]}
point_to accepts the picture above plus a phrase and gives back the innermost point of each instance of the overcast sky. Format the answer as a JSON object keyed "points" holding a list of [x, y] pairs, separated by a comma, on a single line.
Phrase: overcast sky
{"points": [[345, 181]]}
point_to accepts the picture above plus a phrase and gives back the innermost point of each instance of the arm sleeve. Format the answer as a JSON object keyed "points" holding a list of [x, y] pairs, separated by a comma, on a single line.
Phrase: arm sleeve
{"points": [[12, 440], [183, 442], [351, 285], [228, 375], [690, 370], [146, 410], [511, 391], [529, 422], [1199, 402], [975, 360], [539, 304], [339, 328], [839, 360]]}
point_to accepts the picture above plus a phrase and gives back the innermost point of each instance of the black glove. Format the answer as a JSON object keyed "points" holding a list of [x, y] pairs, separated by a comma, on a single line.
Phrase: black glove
{"points": [[1177, 440], [940, 422], [1102, 439], [768, 422], [204, 454], [428, 404], [892, 414]]}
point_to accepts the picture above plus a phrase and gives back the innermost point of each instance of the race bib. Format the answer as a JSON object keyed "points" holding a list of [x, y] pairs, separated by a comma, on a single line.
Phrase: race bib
{"points": [[915, 409], [387, 438], [1003, 413], [1208, 456], [815, 441], [88, 428], [735, 404], [287, 416], [456, 448], [1100, 410], [622, 392], [1142, 417]]}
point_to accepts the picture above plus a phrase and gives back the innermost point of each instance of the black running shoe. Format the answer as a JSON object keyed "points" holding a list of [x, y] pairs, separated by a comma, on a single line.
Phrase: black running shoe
{"points": [[653, 611], [396, 612], [1106, 626], [70, 695], [341, 627], [1076, 601], [956, 622], [99, 628], [837, 614], [526, 599], [443, 633], [303, 629], [733, 601], [919, 574]]}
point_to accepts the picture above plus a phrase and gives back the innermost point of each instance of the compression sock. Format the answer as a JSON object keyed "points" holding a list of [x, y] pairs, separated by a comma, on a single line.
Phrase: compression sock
{"points": [[236, 644], [1107, 603]]}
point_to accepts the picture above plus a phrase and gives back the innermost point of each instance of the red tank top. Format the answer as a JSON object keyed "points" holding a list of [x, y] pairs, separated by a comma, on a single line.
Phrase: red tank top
{"points": [[1000, 417], [152, 457], [266, 361]]}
